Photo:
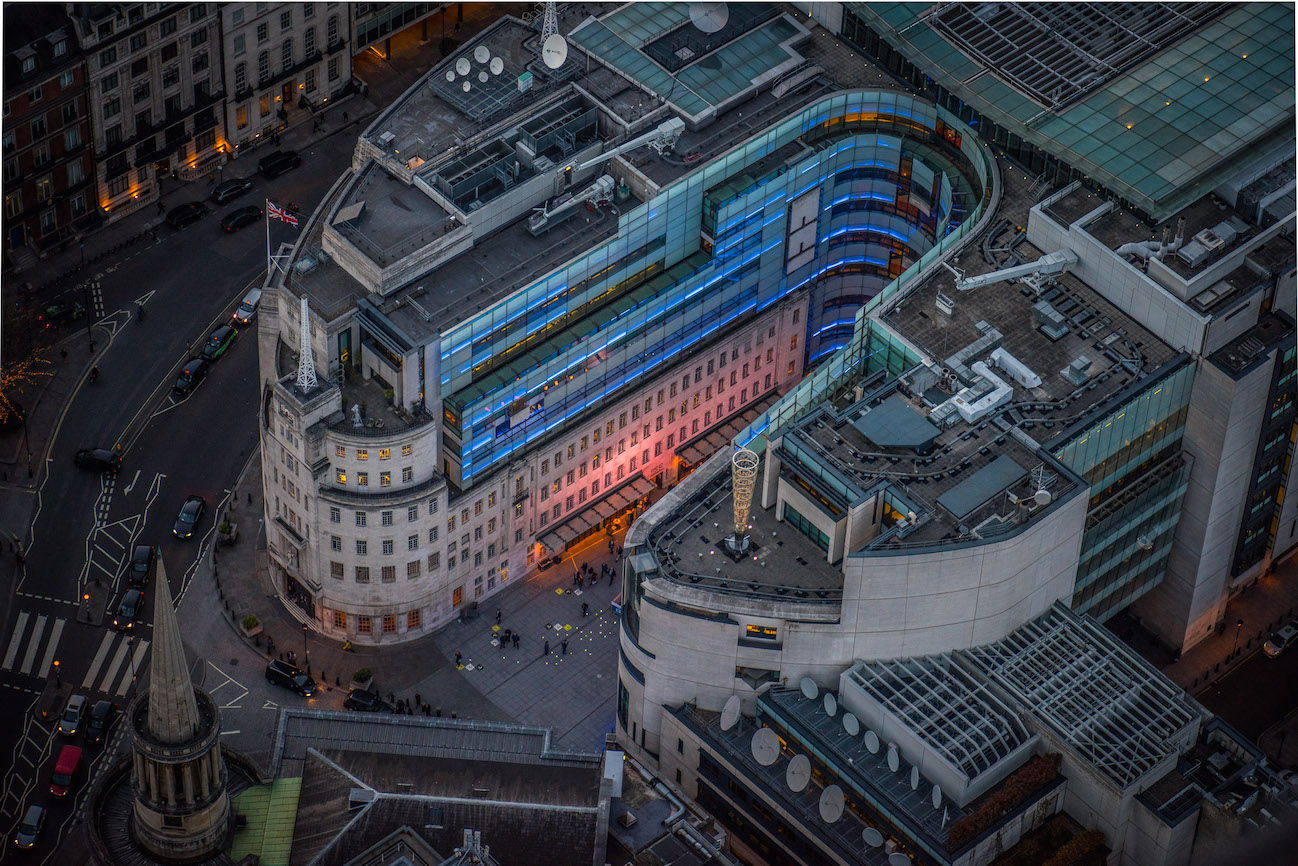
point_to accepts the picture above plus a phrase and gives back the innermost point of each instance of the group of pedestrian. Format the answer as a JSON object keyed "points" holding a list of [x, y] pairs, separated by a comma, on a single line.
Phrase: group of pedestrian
{"points": [[404, 707], [563, 644]]}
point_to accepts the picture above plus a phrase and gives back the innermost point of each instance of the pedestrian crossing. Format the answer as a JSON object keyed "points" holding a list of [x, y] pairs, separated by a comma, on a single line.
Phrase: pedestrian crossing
{"points": [[37, 637]]}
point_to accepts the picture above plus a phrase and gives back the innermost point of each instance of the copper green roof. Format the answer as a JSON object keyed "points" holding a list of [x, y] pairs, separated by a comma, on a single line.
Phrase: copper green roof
{"points": [[1159, 133], [271, 812]]}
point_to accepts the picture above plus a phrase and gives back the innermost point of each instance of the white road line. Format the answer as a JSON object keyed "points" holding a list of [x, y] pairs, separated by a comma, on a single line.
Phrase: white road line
{"points": [[98, 659], [105, 552], [118, 658], [109, 536], [53, 645], [140, 650], [104, 570], [15, 641], [37, 630]]}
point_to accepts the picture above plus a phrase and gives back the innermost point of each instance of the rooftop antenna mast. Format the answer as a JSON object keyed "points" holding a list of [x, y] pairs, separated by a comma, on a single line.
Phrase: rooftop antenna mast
{"points": [[550, 26], [306, 380]]}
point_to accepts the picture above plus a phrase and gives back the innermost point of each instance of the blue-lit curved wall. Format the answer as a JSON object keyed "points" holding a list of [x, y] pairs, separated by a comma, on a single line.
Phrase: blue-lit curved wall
{"points": [[887, 175]]}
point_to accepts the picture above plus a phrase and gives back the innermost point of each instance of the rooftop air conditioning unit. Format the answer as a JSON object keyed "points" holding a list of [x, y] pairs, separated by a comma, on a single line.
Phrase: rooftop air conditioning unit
{"points": [[387, 138]]}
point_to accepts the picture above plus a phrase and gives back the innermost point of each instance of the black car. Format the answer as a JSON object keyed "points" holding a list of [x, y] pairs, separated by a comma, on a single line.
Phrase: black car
{"points": [[30, 828], [191, 375], [237, 219], [230, 189], [128, 610], [359, 699], [290, 677], [61, 314], [98, 458], [101, 719], [190, 513], [142, 559], [275, 164], [190, 212], [220, 340]]}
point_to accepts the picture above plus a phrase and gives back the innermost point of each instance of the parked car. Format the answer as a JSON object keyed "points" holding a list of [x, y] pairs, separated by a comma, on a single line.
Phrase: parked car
{"points": [[61, 314], [101, 719], [1286, 637], [142, 559], [290, 677], [67, 769], [229, 189], [237, 219], [275, 164], [185, 214], [369, 702], [193, 372], [190, 513], [220, 340], [98, 458], [129, 610], [70, 722], [248, 308], [31, 826]]}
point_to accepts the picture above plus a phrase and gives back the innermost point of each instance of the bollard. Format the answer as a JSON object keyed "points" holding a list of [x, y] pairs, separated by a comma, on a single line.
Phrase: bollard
{"points": [[249, 498], [1216, 667], [256, 639], [336, 682]]}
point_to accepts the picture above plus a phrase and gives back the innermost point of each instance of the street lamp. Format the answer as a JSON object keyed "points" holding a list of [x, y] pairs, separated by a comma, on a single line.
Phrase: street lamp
{"points": [[1239, 625], [85, 291], [130, 648], [306, 652]]}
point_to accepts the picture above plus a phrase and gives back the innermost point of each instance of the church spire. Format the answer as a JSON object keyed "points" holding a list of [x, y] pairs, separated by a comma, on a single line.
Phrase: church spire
{"points": [[173, 713]]}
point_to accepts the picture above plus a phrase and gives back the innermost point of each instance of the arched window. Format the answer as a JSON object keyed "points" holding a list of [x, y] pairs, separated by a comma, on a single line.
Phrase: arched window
{"points": [[263, 66], [286, 55], [240, 76]]}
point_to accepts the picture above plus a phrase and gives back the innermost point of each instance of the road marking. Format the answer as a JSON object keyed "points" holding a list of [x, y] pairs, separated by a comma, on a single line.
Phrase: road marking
{"points": [[127, 490], [228, 733], [98, 659], [122, 649], [270, 705], [12, 652], [53, 645], [128, 675], [37, 630]]}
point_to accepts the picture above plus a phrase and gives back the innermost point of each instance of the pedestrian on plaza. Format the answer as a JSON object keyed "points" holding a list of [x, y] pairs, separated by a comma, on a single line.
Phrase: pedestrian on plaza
{"points": [[612, 576], [508, 632], [610, 545], [418, 702], [546, 652], [565, 646], [619, 551], [515, 640], [580, 582], [585, 608], [497, 616], [459, 659], [161, 207]]}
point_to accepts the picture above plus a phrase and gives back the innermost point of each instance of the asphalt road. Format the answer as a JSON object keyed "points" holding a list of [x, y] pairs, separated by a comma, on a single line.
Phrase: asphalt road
{"points": [[86, 524], [1257, 694]]}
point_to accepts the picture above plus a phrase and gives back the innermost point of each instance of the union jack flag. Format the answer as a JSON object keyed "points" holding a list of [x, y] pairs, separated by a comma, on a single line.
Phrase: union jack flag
{"points": [[278, 213]]}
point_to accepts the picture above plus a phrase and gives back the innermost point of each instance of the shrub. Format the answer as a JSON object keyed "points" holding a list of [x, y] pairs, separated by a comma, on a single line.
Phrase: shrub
{"points": [[1013, 790], [224, 528], [250, 622], [1082, 850], [361, 675]]}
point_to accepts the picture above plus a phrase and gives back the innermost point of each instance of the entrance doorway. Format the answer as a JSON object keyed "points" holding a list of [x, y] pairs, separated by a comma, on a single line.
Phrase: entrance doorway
{"points": [[299, 595]]}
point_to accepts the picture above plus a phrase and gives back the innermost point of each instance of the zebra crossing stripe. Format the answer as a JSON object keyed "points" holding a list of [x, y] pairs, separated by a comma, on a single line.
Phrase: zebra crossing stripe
{"points": [[53, 645], [37, 630], [98, 659], [140, 649], [118, 657], [14, 642]]}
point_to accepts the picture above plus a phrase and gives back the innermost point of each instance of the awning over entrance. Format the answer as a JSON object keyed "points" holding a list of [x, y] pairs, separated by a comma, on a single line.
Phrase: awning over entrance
{"points": [[705, 446], [615, 501]]}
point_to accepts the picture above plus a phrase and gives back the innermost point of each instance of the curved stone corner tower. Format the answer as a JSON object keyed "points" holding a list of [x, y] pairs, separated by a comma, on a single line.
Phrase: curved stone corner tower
{"points": [[181, 809]]}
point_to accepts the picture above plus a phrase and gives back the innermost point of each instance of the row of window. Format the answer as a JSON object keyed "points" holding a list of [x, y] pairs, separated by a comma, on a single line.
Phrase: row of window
{"points": [[365, 624], [135, 14], [386, 516], [385, 478], [364, 453]]}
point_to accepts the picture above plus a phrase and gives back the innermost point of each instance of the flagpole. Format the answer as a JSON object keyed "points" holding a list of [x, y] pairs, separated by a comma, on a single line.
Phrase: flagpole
{"points": [[268, 259]]}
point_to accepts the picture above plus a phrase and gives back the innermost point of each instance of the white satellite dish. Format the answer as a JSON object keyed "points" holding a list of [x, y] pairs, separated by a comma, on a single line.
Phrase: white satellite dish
{"points": [[914, 778], [1041, 497], [872, 837], [709, 17], [896, 858], [481, 54], [497, 66], [809, 688], [936, 799], [466, 86], [766, 747], [730, 713], [872, 742], [851, 725], [831, 704], [894, 760], [482, 76], [450, 75], [462, 66], [554, 51], [798, 773], [831, 804]]}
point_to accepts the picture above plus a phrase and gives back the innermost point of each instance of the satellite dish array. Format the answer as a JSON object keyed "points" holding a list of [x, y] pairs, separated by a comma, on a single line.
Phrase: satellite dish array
{"points": [[464, 68], [709, 17]]}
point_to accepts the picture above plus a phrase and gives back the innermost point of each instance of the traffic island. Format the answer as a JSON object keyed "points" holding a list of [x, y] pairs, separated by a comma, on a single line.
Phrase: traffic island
{"points": [[94, 601]]}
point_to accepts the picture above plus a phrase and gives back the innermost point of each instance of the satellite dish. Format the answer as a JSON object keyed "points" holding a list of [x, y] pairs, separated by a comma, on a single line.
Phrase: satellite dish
{"points": [[497, 66], [872, 742], [831, 704], [894, 760], [462, 66], [831, 804], [851, 725], [482, 76], [914, 778], [1041, 497], [766, 747], [709, 17], [896, 858], [872, 837], [466, 86], [481, 54], [450, 75], [730, 713], [936, 799], [799, 773], [554, 51], [809, 688]]}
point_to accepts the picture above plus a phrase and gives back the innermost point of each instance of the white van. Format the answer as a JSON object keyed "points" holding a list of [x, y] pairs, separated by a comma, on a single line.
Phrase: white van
{"points": [[248, 309]]}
